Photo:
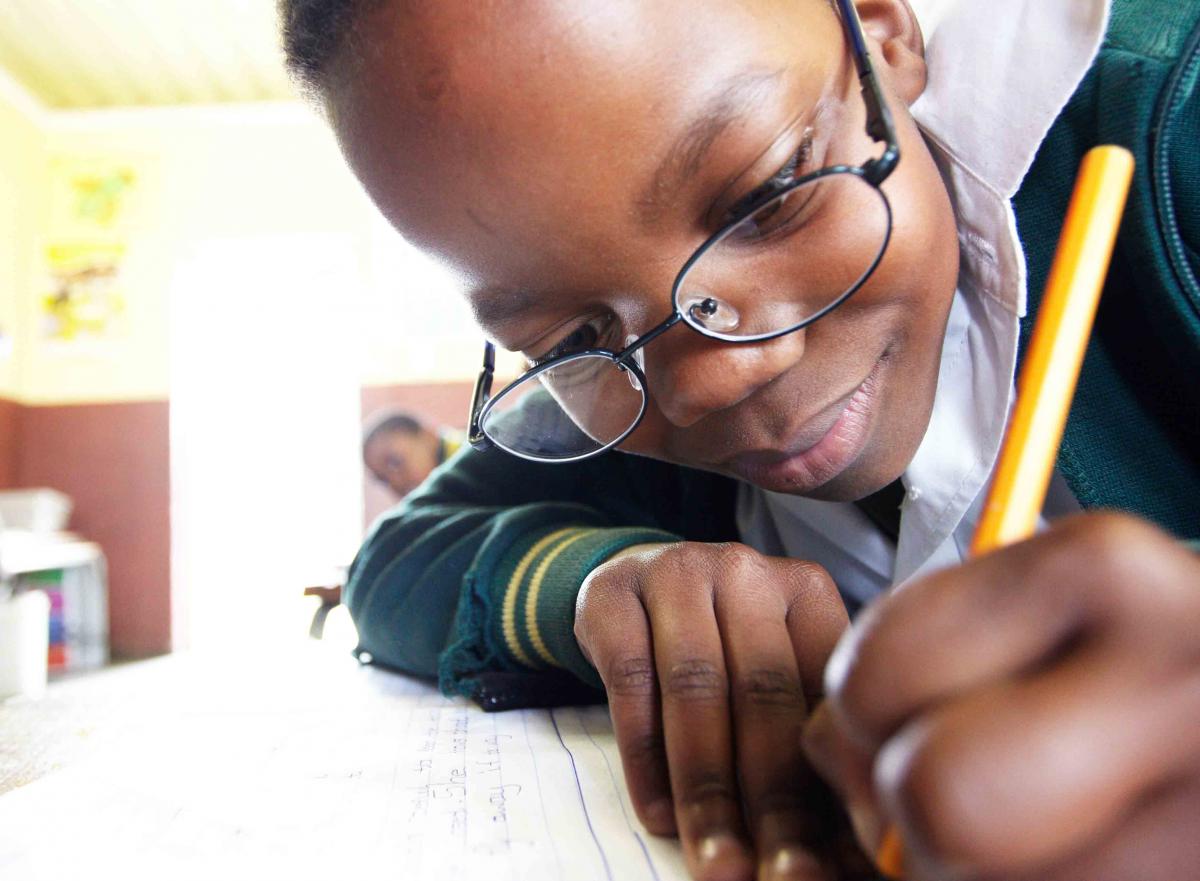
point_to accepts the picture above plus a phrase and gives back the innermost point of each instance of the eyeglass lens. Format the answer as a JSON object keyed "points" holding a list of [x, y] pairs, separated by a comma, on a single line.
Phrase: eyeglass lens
{"points": [[572, 409], [789, 261]]}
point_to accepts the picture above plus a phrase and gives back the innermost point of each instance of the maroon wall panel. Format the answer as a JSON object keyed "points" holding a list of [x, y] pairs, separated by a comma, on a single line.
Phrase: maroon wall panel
{"points": [[10, 421], [113, 460]]}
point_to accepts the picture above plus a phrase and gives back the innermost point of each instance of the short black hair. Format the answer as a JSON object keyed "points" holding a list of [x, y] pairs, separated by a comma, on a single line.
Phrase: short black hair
{"points": [[314, 32], [390, 421]]}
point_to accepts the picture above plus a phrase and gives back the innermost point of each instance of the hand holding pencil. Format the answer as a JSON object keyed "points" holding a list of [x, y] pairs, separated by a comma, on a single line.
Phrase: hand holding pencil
{"points": [[1034, 713]]}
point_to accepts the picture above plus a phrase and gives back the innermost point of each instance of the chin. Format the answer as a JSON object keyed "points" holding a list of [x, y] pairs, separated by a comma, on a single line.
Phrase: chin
{"points": [[869, 473]]}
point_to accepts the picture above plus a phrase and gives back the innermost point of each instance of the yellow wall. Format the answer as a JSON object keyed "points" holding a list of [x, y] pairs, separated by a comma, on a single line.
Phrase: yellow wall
{"points": [[22, 186], [202, 174]]}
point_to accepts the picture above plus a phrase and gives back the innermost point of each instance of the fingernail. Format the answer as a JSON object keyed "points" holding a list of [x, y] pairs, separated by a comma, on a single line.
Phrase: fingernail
{"points": [[660, 817], [865, 821], [714, 846], [817, 741], [791, 864], [721, 856]]}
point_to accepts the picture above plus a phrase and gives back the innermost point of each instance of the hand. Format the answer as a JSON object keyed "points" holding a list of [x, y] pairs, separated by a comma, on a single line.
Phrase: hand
{"points": [[1034, 713], [712, 655]]}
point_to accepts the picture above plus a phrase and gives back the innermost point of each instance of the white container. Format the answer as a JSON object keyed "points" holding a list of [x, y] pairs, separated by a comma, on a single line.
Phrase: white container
{"points": [[24, 644], [36, 510]]}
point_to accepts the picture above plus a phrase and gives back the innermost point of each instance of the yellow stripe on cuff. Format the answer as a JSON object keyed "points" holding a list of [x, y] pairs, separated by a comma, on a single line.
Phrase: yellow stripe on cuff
{"points": [[531, 598], [508, 615]]}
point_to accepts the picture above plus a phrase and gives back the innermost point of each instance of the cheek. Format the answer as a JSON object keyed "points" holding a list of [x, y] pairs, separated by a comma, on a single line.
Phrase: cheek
{"points": [[918, 276], [919, 271], [924, 248], [650, 438]]}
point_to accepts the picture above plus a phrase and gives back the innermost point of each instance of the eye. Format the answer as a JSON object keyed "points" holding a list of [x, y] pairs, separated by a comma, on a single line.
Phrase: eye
{"points": [[778, 217], [591, 335], [796, 165]]}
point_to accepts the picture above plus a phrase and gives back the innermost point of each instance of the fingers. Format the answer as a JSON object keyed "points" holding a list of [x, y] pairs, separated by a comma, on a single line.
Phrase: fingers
{"points": [[769, 709], [614, 633], [707, 653], [1013, 777], [1012, 714], [1000, 616], [848, 769], [694, 685], [1157, 841], [816, 620]]}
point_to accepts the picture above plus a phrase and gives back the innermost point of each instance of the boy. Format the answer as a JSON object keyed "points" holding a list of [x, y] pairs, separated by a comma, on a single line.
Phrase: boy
{"points": [[401, 452], [850, 282]]}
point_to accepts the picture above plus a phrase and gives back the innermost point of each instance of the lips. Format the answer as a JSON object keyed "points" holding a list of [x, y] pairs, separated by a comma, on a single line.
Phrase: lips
{"points": [[819, 449]]}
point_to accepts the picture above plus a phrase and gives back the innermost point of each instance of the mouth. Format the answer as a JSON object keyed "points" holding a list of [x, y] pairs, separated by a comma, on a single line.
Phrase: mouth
{"points": [[820, 449]]}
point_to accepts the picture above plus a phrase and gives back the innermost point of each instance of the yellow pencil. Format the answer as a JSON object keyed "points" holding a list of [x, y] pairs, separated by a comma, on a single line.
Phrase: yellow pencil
{"points": [[1048, 377]]}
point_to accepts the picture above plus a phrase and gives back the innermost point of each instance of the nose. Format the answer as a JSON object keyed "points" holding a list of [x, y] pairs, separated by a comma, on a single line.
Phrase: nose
{"points": [[691, 377]]}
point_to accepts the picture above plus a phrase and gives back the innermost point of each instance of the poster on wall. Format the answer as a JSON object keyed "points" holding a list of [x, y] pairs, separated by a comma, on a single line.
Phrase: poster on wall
{"points": [[94, 208], [92, 197], [85, 301]]}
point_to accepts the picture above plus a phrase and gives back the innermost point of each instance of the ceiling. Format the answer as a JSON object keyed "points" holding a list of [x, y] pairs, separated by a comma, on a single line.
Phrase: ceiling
{"points": [[76, 54]]}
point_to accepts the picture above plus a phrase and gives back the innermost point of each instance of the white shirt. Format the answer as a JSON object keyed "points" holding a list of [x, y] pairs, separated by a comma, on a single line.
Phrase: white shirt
{"points": [[997, 81]]}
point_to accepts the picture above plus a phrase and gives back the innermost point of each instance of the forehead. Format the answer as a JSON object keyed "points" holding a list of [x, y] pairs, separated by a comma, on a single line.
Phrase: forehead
{"points": [[518, 139]]}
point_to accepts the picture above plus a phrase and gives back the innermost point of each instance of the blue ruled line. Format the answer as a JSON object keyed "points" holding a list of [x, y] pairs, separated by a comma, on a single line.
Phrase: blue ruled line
{"points": [[579, 788], [617, 786]]}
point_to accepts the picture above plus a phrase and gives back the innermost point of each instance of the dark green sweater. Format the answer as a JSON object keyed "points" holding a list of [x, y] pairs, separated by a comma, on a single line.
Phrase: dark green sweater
{"points": [[473, 578]]}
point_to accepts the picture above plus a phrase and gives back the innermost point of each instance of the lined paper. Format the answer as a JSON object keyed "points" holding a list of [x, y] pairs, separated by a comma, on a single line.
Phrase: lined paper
{"points": [[368, 773]]}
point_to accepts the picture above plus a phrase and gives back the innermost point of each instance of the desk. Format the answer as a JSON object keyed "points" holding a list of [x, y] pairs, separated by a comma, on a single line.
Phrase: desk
{"points": [[22, 552], [298, 764]]}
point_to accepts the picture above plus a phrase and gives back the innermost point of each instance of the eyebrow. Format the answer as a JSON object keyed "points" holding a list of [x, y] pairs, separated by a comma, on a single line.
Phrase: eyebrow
{"points": [[495, 307], [727, 107]]}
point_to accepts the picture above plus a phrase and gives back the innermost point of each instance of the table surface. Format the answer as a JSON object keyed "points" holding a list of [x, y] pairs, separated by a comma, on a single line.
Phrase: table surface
{"points": [[83, 714], [76, 715], [297, 763]]}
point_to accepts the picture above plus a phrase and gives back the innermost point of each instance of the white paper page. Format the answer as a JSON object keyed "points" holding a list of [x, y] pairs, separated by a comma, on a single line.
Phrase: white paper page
{"points": [[379, 777]]}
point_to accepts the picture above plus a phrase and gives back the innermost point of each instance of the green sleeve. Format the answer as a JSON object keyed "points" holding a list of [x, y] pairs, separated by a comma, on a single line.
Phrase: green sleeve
{"points": [[473, 578]]}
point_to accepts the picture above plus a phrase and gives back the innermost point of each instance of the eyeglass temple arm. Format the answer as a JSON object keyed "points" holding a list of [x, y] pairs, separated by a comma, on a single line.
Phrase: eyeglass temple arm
{"points": [[479, 397], [880, 126]]}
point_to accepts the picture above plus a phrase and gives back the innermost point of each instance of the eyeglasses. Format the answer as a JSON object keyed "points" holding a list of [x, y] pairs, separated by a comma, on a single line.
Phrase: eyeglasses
{"points": [[748, 282]]}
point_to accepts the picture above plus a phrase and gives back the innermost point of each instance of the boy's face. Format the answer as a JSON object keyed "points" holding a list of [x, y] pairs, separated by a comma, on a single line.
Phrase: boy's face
{"points": [[401, 460], [567, 158]]}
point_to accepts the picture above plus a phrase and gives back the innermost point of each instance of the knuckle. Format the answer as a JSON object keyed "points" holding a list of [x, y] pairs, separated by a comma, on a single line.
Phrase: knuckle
{"points": [[1128, 563], [607, 594], [695, 680], [1107, 538], [682, 566], [812, 583], [621, 574], [738, 561], [646, 750], [705, 787], [770, 689], [780, 801], [685, 565], [809, 573], [630, 677]]}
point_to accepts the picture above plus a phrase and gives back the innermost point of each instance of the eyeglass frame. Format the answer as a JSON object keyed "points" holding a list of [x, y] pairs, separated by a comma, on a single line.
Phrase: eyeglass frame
{"points": [[880, 128]]}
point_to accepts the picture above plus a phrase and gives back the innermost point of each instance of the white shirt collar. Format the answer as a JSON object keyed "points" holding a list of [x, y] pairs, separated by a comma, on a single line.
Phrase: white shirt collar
{"points": [[996, 84], [998, 78]]}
